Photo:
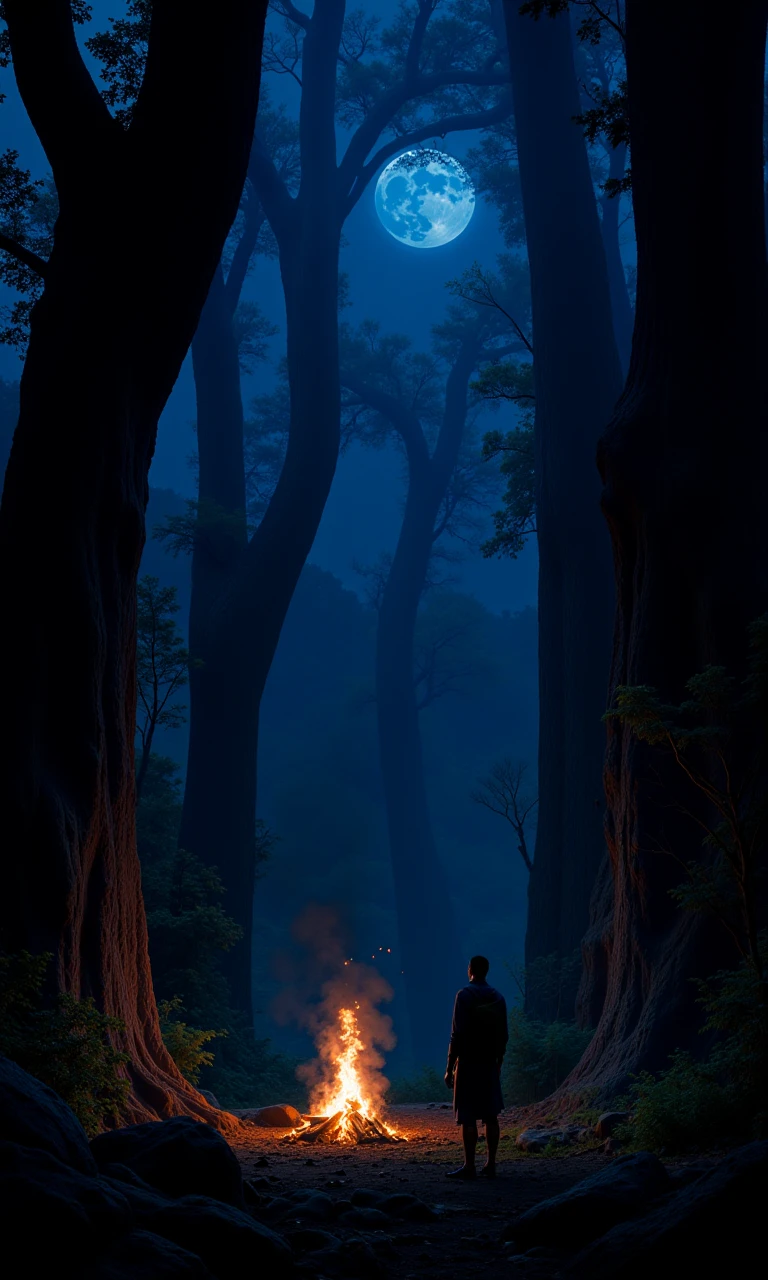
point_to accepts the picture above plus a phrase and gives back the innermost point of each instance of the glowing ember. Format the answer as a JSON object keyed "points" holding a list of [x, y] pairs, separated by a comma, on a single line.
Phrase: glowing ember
{"points": [[343, 1109]]}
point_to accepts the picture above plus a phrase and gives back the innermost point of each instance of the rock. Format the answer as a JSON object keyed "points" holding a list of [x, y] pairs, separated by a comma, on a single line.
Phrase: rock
{"points": [[317, 1205], [210, 1098], [282, 1116], [364, 1219], [611, 1146], [62, 1215], [32, 1115], [535, 1140], [261, 1163], [689, 1173], [367, 1199], [229, 1242], [141, 1255], [620, 1191], [311, 1238], [276, 1208], [348, 1258], [609, 1121], [710, 1223], [178, 1157], [404, 1205]]}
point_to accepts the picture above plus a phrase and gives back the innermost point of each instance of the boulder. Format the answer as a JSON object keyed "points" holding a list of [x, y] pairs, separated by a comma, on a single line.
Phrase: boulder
{"points": [[535, 1140], [230, 1243], [304, 1239], [404, 1205], [317, 1205], [365, 1198], [609, 1121], [594, 1206], [701, 1230], [32, 1115], [141, 1255], [364, 1219], [62, 1215], [210, 1098], [178, 1157], [354, 1259], [282, 1116]]}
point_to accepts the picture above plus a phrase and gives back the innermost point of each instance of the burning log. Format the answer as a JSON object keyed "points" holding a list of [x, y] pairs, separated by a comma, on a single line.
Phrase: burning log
{"points": [[348, 1102]]}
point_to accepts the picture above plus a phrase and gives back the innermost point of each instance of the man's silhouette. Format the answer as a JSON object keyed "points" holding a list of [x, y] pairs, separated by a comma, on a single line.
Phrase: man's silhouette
{"points": [[478, 1042]]}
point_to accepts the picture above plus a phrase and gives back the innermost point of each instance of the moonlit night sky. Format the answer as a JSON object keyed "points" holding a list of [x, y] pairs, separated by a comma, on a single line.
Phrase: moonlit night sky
{"points": [[404, 291], [425, 198]]}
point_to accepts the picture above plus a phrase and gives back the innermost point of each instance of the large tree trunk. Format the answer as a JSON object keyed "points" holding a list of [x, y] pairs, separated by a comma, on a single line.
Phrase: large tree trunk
{"points": [[685, 466], [218, 821], [241, 590], [123, 291], [427, 927], [577, 380]]}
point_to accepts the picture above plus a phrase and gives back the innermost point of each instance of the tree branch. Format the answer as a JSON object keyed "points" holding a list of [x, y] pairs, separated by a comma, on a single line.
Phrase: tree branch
{"points": [[436, 128], [289, 11], [25, 256], [405, 423], [64, 106], [277, 202], [253, 222]]}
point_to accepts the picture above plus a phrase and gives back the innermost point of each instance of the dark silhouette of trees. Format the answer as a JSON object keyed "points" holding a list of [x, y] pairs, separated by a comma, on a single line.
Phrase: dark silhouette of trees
{"points": [[684, 465], [161, 668], [429, 74], [431, 423], [577, 380], [501, 792], [143, 214]]}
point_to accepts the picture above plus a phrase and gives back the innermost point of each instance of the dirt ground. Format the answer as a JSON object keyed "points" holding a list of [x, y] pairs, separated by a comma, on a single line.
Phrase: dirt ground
{"points": [[468, 1234]]}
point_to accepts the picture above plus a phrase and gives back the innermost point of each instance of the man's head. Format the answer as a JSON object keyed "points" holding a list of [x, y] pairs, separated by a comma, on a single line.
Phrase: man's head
{"points": [[478, 969]]}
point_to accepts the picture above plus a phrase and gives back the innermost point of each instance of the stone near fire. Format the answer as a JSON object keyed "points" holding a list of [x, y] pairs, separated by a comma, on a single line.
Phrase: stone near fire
{"points": [[280, 1116], [229, 1241]]}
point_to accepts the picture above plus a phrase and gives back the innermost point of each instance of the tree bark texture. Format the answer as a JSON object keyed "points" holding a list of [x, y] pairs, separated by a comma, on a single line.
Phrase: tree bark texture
{"points": [[685, 465], [124, 288], [577, 381], [621, 306]]}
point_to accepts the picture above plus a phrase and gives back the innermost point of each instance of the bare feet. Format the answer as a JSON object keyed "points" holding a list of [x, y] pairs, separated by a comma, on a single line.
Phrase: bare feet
{"points": [[465, 1173]]}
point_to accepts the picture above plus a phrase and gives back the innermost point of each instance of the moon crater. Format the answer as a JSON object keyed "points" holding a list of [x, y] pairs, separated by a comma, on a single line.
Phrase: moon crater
{"points": [[424, 198]]}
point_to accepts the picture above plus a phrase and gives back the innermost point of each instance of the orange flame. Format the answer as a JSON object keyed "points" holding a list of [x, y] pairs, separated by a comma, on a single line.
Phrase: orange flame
{"points": [[346, 1092]]}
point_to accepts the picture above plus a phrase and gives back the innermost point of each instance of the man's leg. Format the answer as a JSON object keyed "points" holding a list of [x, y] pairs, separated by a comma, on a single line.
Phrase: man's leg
{"points": [[469, 1138], [492, 1134]]}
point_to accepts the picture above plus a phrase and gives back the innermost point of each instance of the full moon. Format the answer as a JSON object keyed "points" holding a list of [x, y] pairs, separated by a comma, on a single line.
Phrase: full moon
{"points": [[425, 198]]}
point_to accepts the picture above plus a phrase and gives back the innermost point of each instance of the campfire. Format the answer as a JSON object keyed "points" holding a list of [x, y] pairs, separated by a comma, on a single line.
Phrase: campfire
{"points": [[345, 1109]]}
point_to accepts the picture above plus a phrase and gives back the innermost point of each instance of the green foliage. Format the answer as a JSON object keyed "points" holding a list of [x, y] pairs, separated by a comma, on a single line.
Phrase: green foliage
{"points": [[162, 663], [539, 1057], [122, 52], [426, 1086], [189, 931], [515, 521], [185, 1043], [66, 1043], [716, 739], [721, 1100]]}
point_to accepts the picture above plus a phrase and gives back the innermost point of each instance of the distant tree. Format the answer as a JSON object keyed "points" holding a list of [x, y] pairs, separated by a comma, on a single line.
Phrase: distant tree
{"points": [[161, 667], [501, 792], [424, 401], [143, 214], [436, 69]]}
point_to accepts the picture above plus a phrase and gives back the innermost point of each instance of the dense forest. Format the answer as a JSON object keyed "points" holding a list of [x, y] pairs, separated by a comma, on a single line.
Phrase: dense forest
{"points": [[384, 552]]}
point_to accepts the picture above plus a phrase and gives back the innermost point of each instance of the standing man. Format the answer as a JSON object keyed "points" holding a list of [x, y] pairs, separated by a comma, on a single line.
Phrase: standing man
{"points": [[478, 1042]]}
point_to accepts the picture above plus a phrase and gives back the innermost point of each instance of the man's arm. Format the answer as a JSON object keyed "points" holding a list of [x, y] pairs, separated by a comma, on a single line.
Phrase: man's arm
{"points": [[453, 1046]]}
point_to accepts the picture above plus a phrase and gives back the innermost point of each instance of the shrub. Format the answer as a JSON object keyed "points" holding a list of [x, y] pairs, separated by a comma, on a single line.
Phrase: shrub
{"points": [[539, 1057], [185, 1043], [426, 1086], [65, 1044]]}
